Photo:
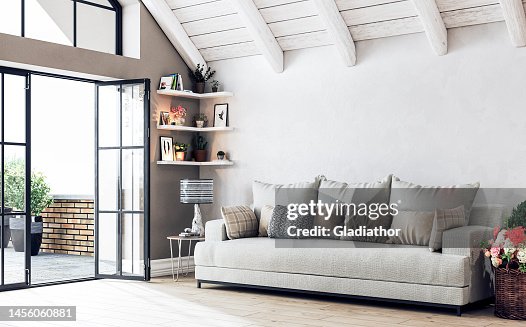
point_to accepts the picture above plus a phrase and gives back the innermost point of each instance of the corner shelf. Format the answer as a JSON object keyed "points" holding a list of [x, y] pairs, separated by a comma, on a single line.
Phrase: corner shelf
{"points": [[190, 95], [194, 163], [194, 129]]}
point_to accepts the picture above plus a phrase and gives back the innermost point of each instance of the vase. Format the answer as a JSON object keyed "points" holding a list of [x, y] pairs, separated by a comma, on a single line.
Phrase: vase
{"points": [[180, 156], [179, 121], [17, 226], [214, 89], [200, 87], [200, 155], [200, 123]]}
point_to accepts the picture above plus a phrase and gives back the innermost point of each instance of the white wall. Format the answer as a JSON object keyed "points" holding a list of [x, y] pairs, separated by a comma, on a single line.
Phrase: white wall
{"points": [[402, 109]]}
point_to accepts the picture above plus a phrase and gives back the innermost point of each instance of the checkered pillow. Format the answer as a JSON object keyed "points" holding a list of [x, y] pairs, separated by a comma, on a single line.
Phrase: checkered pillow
{"points": [[444, 220], [240, 221]]}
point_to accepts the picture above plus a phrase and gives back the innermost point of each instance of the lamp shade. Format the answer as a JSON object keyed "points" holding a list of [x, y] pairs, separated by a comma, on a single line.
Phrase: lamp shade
{"points": [[197, 191]]}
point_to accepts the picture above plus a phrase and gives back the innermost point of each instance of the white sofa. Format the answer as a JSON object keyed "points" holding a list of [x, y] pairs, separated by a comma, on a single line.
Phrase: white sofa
{"points": [[453, 278]]}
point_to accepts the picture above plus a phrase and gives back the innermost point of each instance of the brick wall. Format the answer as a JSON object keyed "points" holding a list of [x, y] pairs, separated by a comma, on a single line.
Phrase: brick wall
{"points": [[69, 227]]}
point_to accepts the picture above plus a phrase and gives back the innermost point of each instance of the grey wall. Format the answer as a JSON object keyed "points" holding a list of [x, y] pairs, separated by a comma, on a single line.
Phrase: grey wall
{"points": [[158, 58], [435, 120]]}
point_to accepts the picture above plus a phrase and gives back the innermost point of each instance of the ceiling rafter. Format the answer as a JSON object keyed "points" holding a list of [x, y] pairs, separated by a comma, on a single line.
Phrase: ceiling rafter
{"points": [[338, 30], [433, 25], [515, 18], [175, 32], [260, 32]]}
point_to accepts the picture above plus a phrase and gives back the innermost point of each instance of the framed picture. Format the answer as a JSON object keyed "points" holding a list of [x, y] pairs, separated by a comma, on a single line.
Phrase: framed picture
{"points": [[169, 82], [164, 118], [221, 115], [167, 149]]}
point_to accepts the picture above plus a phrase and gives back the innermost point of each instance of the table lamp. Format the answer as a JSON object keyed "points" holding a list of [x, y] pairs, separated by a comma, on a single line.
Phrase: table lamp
{"points": [[196, 192]]}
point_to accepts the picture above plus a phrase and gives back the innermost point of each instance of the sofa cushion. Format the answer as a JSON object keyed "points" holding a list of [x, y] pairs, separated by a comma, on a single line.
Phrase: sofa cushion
{"points": [[240, 222], [283, 194], [359, 260], [280, 223], [357, 193], [444, 220], [413, 197], [415, 227], [264, 219]]}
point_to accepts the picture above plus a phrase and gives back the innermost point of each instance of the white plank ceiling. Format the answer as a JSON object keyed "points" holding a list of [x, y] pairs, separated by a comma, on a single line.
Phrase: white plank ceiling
{"points": [[218, 32]]}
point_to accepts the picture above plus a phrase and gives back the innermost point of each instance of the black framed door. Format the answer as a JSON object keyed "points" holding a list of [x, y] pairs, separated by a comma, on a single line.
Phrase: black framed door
{"points": [[15, 181], [122, 159]]}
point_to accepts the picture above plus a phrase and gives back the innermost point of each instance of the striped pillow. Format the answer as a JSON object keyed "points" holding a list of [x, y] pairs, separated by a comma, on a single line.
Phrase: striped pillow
{"points": [[240, 222]]}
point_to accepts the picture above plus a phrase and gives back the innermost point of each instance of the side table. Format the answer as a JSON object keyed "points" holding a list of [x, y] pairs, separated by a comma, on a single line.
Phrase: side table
{"points": [[180, 239]]}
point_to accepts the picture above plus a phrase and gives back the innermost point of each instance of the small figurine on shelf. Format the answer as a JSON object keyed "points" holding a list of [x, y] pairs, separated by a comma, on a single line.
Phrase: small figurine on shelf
{"points": [[180, 151], [215, 85], [220, 155], [177, 115], [200, 120]]}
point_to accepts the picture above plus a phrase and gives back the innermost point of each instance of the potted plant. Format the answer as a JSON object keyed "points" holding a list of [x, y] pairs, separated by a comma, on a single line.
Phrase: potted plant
{"points": [[200, 120], [220, 155], [200, 76], [180, 151], [15, 198], [507, 252], [178, 115], [200, 152], [215, 85]]}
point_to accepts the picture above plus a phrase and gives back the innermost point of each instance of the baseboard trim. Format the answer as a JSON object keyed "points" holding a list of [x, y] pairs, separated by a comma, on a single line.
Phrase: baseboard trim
{"points": [[163, 267]]}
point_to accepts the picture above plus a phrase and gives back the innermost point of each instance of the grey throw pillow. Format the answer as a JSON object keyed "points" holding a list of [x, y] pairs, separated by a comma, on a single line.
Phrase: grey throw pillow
{"points": [[415, 227], [240, 222], [279, 223], [445, 219]]}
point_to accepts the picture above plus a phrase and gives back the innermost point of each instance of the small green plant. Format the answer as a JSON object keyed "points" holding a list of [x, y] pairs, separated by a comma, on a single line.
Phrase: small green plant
{"points": [[181, 147], [518, 216], [215, 83], [200, 117], [200, 143], [15, 193], [199, 75]]}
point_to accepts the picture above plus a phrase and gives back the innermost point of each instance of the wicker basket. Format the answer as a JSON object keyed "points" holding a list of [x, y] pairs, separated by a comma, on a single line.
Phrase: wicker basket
{"points": [[510, 294]]}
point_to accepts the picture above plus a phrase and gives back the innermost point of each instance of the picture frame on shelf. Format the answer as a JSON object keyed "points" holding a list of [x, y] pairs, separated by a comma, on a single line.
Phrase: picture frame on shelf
{"points": [[167, 82], [167, 148], [221, 115], [164, 118]]}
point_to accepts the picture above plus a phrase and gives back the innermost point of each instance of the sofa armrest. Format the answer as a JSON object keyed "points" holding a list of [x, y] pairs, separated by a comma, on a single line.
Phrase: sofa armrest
{"points": [[465, 240], [215, 231]]}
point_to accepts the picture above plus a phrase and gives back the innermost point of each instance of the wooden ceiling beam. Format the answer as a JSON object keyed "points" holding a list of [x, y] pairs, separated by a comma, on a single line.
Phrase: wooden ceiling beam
{"points": [[175, 32], [338, 30], [513, 12], [433, 25], [260, 32]]}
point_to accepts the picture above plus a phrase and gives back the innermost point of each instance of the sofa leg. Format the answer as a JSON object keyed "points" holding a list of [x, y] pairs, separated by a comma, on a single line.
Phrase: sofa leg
{"points": [[459, 311], [198, 283]]}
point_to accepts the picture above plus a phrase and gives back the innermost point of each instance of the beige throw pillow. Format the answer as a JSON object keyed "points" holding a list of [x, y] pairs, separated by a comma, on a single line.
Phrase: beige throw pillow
{"points": [[415, 227], [444, 220], [240, 222], [264, 220]]}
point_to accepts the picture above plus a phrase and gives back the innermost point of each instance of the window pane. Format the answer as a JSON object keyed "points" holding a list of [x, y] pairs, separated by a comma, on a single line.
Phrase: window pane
{"points": [[101, 2], [11, 17], [95, 28], [50, 20], [15, 108]]}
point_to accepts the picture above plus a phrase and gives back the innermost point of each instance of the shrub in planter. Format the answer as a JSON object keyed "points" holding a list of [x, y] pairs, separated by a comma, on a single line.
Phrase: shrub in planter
{"points": [[15, 198], [200, 152]]}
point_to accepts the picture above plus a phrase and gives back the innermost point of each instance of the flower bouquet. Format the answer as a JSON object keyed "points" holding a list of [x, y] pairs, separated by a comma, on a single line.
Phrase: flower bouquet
{"points": [[507, 251], [177, 115]]}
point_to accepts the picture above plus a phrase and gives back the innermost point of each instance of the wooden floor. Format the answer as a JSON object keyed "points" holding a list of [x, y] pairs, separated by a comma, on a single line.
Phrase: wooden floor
{"points": [[163, 302]]}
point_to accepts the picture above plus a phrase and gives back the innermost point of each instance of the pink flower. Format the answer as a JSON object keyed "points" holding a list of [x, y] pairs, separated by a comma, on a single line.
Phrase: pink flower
{"points": [[495, 251], [487, 254], [496, 231], [516, 235]]}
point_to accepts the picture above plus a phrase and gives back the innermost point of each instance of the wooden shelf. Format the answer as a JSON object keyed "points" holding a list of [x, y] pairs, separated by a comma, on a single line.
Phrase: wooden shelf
{"points": [[190, 95], [194, 129], [194, 163]]}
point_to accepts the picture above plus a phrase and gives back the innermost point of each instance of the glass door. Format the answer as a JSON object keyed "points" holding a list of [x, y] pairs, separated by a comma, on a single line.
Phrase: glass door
{"points": [[15, 181], [122, 180]]}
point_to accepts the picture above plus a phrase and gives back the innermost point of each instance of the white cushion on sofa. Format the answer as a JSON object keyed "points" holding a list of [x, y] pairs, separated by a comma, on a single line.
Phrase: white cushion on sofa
{"points": [[359, 260]]}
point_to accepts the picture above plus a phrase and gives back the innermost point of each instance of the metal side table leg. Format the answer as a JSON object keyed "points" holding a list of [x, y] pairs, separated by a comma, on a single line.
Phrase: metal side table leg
{"points": [[188, 258], [179, 260], [172, 259]]}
